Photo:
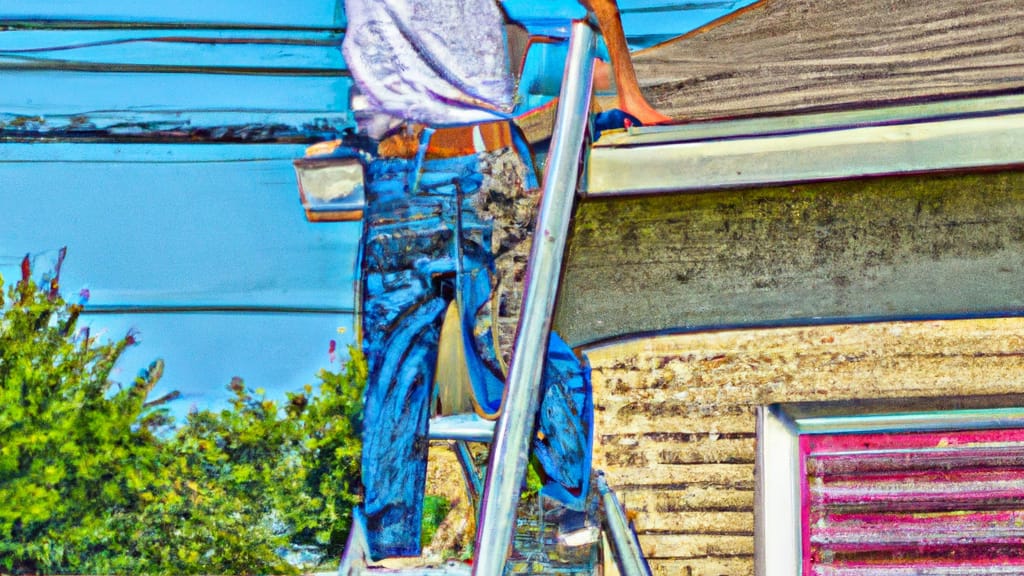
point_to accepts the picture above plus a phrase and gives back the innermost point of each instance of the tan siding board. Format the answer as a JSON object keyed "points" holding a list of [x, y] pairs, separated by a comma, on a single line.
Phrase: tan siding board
{"points": [[700, 450], [697, 522], [737, 566], [737, 476], [687, 546], [829, 377], [694, 498], [827, 363], [632, 417]]}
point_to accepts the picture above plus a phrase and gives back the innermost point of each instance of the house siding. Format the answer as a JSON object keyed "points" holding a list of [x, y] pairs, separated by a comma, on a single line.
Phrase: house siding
{"points": [[675, 415]]}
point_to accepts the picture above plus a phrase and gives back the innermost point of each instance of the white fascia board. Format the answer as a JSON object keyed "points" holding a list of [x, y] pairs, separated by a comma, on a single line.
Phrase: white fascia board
{"points": [[807, 149]]}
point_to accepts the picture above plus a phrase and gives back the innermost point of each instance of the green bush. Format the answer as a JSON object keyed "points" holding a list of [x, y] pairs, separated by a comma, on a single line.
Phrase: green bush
{"points": [[435, 510], [96, 479]]}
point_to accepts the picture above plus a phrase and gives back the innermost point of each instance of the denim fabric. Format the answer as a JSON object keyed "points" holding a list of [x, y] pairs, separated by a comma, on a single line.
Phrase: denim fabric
{"points": [[428, 234]]}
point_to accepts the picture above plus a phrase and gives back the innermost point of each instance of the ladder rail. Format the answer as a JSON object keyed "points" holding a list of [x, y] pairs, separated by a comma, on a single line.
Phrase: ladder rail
{"points": [[625, 547], [506, 469]]}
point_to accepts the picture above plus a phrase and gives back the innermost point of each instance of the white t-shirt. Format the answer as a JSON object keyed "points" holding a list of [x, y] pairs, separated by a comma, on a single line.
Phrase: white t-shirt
{"points": [[436, 62]]}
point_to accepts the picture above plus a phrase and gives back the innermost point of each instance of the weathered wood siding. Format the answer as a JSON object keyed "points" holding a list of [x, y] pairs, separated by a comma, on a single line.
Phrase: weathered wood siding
{"points": [[788, 55], [674, 422]]}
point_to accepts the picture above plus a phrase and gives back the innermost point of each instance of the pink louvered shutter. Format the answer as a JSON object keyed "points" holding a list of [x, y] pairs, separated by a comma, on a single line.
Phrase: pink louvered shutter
{"points": [[885, 504]]}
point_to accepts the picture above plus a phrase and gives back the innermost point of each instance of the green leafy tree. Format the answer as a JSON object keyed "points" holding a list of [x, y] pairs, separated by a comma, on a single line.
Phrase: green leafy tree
{"points": [[95, 479], [73, 444], [320, 509]]}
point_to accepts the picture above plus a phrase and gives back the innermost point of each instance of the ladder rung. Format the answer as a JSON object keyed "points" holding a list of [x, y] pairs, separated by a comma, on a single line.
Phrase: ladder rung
{"points": [[449, 570], [467, 427]]}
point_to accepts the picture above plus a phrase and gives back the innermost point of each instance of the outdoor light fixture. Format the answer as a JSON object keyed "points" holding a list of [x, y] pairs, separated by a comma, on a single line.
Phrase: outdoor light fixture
{"points": [[332, 186]]}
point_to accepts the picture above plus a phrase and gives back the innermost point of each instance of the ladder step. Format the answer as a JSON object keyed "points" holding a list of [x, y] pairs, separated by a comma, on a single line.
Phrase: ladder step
{"points": [[466, 427], [452, 569]]}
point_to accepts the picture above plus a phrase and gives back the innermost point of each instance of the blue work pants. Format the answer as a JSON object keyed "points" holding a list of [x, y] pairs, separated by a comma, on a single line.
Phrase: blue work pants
{"points": [[428, 240]]}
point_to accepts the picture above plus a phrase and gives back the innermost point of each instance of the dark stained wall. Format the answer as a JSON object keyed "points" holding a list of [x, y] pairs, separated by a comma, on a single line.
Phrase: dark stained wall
{"points": [[914, 246]]}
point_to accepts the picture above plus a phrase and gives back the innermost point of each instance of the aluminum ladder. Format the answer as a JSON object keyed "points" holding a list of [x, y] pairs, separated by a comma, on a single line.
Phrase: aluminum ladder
{"points": [[510, 435]]}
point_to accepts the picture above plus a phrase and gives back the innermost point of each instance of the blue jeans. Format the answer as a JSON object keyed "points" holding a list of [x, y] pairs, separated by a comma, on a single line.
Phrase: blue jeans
{"points": [[429, 227]]}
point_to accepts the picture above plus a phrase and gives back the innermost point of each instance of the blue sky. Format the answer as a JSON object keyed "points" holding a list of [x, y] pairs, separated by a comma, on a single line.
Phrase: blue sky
{"points": [[183, 226]]}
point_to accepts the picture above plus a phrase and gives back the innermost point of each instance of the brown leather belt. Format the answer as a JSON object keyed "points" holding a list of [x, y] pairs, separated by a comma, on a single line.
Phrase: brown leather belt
{"points": [[444, 142], [449, 142]]}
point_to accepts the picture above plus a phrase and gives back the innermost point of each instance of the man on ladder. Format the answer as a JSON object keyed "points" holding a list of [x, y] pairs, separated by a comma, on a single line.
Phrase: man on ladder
{"points": [[451, 199]]}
